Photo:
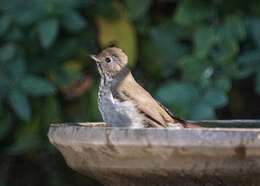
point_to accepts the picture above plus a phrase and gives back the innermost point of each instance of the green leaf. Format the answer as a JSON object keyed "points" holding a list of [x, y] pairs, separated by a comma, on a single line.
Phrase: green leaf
{"points": [[36, 86], [215, 98], [48, 31], [236, 27], [108, 9], [20, 104], [254, 25], [229, 35], [27, 144], [193, 67], [202, 111], [191, 12], [4, 85], [179, 93], [17, 69], [205, 78], [247, 63], [25, 13], [74, 22], [15, 34], [136, 8], [223, 83], [5, 22], [162, 37], [249, 58], [7, 52], [257, 84], [205, 39], [27, 137], [227, 46]]}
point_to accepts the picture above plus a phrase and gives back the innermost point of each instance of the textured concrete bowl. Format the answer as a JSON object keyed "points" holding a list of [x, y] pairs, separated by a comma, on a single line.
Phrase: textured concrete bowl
{"points": [[193, 157]]}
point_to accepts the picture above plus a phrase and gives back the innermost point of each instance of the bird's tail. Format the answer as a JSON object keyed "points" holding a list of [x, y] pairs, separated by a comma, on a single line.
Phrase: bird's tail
{"points": [[192, 125], [179, 123]]}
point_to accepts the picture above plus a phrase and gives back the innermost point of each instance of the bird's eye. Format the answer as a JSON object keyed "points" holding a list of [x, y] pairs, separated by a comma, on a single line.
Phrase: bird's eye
{"points": [[108, 60]]}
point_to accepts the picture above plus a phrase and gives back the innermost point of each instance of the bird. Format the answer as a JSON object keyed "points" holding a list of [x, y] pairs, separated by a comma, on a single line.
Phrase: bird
{"points": [[123, 102]]}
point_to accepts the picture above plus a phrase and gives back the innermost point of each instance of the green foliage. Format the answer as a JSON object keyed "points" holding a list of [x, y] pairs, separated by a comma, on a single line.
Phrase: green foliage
{"points": [[48, 31], [191, 13], [137, 9], [211, 61], [19, 102], [178, 93], [36, 86], [195, 55]]}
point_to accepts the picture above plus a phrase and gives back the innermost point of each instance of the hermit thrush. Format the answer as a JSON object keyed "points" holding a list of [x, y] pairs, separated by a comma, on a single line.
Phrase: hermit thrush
{"points": [[123, 102]]}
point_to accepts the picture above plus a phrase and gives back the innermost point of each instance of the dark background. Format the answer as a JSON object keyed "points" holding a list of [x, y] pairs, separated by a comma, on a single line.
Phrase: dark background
{"points": [[199, 58]]}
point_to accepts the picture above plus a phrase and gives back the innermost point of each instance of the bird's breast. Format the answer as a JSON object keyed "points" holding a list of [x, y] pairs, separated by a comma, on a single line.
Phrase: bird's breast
{"points": [[118, 113]]}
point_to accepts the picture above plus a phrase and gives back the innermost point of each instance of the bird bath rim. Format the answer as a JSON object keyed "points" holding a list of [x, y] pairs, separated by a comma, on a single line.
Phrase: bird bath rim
{"points": [[118, 156]]}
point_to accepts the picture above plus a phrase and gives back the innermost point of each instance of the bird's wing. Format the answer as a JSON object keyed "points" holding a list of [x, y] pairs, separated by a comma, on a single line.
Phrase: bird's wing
{"points": [[156, 114]]}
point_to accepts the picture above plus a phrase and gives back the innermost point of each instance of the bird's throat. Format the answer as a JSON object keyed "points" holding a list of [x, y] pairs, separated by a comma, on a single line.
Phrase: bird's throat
{"points": [[100, 69], [102, 74]]}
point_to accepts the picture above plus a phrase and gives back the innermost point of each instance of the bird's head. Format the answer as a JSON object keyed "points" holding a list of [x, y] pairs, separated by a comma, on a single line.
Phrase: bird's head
{"points": [[111, 62]]}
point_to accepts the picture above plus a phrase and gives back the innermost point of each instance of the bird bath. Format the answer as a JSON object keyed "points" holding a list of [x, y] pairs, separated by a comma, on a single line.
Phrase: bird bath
{"points": [[163, 157]]}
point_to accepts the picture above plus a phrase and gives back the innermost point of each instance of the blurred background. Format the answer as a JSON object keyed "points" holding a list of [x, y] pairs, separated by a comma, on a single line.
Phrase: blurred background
{"points": [[199, 58]]}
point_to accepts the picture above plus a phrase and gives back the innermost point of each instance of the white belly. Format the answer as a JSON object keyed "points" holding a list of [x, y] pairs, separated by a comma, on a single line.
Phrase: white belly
{"points": [[119, 114]]}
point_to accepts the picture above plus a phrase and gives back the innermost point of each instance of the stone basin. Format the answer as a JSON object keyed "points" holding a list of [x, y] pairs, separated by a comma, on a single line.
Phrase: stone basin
{"points": [[179, 157]]}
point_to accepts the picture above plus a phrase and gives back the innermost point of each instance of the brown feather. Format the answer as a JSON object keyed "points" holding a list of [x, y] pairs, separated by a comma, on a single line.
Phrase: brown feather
{"points": [[157, 115]]}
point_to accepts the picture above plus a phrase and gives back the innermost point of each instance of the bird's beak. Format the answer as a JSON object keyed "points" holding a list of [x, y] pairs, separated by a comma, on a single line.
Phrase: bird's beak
{"points": [[94, 57]]}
